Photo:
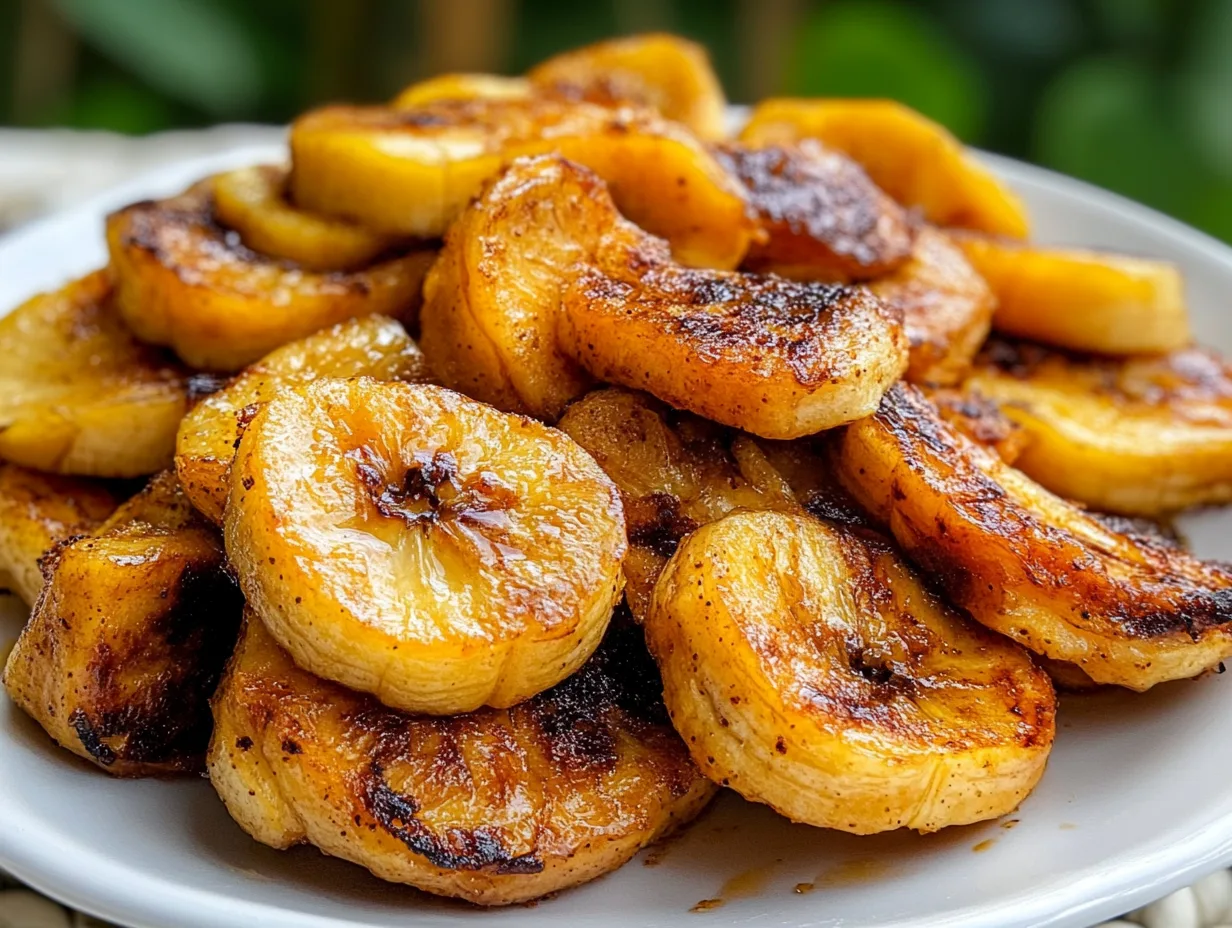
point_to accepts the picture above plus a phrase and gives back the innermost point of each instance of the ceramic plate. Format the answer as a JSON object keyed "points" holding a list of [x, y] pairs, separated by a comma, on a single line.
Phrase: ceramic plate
{"points": [[1136, 800]]}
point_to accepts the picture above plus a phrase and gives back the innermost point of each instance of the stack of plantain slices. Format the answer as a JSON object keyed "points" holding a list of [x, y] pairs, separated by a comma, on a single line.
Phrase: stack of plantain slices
{"points": [[531, 458]]}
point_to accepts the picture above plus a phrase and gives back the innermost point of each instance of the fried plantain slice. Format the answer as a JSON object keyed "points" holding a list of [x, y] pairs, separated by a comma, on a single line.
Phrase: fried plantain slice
{"points": [[808, 667], [496, 807], [1142, 436], [80, 395], [981, 420], [824, 219], [183, 280], [910, 157], [1125, 607], [129, 637], [37, 512], [371, 346], [1083, 300], [463, 86], [411, 172]]}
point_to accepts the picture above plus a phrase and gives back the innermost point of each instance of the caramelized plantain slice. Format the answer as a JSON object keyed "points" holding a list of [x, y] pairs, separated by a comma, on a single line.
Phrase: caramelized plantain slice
{"points": [[411, 172], [371, 346], [496, 807], [1083, 300], [809, 668], [823, 218], [129, 637], [183, 280], [463, 86], [1143, 436], [982, 420], [1125, 607], [910, 157], [79, 394], [37, 512]]}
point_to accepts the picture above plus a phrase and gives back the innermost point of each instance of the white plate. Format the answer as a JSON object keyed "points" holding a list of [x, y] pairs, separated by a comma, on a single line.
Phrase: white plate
{"points": [[1136, 801]]}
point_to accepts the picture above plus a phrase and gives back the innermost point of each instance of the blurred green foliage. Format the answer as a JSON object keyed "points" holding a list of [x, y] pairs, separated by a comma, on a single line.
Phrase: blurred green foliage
{"points": [[1134, 95]]}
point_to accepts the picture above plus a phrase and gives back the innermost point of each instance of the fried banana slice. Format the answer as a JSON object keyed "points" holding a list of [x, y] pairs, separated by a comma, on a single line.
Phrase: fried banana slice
{"points": [[496, 807], [37, 512], [183, 280], [1083, 300], [809, 668], [947, 308], [675, 472], [253, 202], [981, 420], [129, 637], [411, 172], [1124, 607], [409, 542], [542, 271], [1143, 436], [371, 346], [664, 72], [824, 219], [910, 157], [79, 394], [463, 87]]}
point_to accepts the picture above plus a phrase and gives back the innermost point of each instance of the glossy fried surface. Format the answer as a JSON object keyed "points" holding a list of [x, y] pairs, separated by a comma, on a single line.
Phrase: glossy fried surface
{"points": [[371, 346], [463, 86], [913, 159], [495, 807], [411, 172], [1125, 607], [37, 512], [1143, 436], [824, 219], [807, 667], [946, 305], [129, 637], [982, 420], [79, 394], [409, 542], [184, 281]]}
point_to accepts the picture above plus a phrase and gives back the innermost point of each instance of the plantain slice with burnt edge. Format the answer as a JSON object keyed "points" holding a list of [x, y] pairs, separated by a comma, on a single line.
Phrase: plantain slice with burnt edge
{"points": [[371, 346], [186, 281], [411, 172], [495, 807], [37, 512], [809, 668], [1142, 436], [823, 218], [1123, 606], [79, 394], [129, 637]]}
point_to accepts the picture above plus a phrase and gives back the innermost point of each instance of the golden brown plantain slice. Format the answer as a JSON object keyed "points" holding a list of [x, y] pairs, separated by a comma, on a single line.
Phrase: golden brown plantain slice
{"points": [[664, 72], [1125, 607], [823, 218], [463, 86], [981, 420], [496, 807], [371, 346], [183, 280], [910, 157], [947, 308], [37, 512], [129, 637], [409, 542], [807, 667], [253, 202], [411, 172], [79, 394], [1083, 300]]}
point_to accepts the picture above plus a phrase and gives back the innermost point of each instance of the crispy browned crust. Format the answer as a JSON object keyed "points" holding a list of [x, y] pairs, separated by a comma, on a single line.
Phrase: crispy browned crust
{"points": [[823, 218], [1125, 606], [129, 637], [497, 806], [981, 420]]}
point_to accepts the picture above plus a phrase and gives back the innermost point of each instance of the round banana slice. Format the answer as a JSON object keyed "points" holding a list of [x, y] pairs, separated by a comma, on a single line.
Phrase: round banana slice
{"points": [[408, 542], [496, 807], [253, 202], [463, 86], [808, 668], [185, 281], [1126, 607]]}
